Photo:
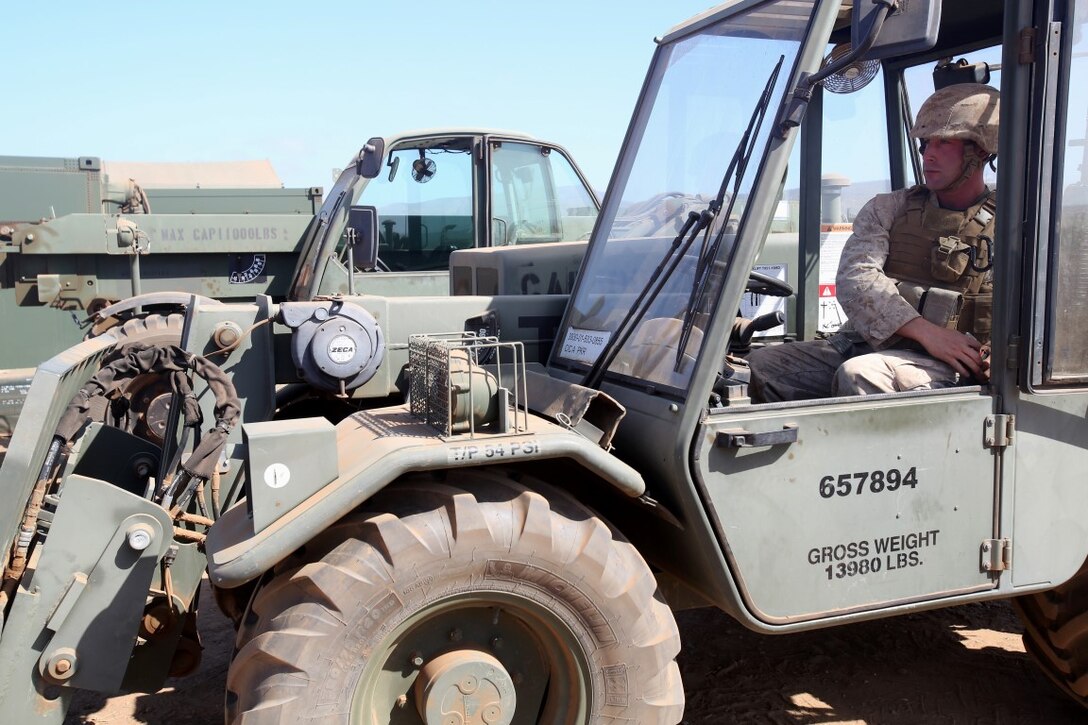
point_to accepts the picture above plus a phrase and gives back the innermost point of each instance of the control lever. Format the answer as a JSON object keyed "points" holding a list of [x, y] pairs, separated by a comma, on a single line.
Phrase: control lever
{"points": [[744, 329]]}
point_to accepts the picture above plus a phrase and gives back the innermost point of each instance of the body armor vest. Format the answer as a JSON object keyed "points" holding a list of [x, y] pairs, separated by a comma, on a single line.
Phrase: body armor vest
{"points": [[942, 260]]}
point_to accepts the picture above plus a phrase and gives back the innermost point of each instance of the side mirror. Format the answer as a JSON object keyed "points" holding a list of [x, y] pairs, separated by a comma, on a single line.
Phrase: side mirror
{"points": [[362, 234], [368, 163], [910, 27]]}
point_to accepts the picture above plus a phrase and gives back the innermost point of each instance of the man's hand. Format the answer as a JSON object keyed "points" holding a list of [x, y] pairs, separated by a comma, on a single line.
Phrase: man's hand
{"points": [[961, 351]]}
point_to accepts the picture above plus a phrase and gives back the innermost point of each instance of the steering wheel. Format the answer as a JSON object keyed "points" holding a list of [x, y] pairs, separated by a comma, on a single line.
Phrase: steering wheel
{"points": [[762, 284]]}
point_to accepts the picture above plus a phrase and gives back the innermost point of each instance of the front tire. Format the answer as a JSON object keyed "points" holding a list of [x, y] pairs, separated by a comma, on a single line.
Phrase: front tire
{"points": [[1056, 633], [473, 597]]}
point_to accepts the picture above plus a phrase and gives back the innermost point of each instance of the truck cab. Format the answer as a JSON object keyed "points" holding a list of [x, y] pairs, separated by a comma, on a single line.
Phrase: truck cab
{"points": [[810, 513], [438, 192]]}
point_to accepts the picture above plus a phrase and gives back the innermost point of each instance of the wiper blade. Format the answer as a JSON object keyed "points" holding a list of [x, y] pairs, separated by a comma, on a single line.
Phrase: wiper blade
{"points": [[735, 173], [693, 225]]}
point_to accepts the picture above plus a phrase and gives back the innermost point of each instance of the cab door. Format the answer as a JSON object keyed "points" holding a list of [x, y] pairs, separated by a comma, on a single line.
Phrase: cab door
{"points": [[858, 503], [1045, 483]]}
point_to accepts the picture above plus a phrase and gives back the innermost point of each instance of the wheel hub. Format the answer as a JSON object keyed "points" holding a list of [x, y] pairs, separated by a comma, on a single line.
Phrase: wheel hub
{"points": [[465, 687]]}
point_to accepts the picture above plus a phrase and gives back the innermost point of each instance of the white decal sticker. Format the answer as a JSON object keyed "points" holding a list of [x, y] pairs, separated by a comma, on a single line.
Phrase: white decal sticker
{"points": [[584, 345], [277, 475], [341, 349]]}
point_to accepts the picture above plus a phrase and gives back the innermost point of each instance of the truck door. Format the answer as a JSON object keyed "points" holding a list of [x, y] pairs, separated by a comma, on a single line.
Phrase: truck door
{"points": [[1044, 481], [860, 503]]}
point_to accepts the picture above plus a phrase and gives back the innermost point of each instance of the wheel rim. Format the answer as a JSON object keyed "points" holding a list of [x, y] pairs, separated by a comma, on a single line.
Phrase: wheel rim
{"points": [[500, 638]]}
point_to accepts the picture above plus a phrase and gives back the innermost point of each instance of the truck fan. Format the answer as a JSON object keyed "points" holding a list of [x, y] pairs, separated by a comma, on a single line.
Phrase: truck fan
{"points": [[423, 168], [853, 77]]}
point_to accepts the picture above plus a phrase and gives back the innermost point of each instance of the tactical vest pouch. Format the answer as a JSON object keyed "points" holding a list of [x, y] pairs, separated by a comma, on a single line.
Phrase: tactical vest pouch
{"points": [[949, 259], [912, 293], [942, 307], [978, 316]]}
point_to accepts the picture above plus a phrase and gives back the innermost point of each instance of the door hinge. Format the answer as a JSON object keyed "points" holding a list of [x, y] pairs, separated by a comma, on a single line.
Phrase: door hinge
{"points": [[1026, 50], [998, 431], [1012, 353], [996, 555]]}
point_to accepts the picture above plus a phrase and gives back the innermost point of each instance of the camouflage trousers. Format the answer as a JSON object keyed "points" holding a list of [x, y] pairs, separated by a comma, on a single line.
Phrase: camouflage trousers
{"points": [[815, 369]]}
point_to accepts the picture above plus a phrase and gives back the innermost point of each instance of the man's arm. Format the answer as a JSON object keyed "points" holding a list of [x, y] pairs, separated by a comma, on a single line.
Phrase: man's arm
{"points": [[869, 297]]}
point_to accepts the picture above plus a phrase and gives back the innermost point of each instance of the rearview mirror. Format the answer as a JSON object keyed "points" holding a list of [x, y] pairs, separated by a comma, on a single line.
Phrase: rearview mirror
{"points": [[910, 28], [368, 163], [362, 234]]}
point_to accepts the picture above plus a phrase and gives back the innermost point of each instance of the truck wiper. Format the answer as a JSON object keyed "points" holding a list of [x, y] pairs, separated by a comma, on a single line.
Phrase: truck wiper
{"points": [[693, 225], [697, 223], [735, 173]]}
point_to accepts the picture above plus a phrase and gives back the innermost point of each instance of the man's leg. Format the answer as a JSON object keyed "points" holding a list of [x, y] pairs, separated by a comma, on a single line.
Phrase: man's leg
{"points": [[793, 371], [892, 371]]}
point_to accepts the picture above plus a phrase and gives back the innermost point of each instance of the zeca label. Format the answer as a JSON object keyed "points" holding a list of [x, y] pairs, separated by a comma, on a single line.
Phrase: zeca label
{"points": [[341, 349], [277, 475]]}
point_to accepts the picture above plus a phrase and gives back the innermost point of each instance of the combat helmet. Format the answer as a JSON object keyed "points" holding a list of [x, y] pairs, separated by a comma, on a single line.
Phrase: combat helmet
{"points": [[966, 111]]}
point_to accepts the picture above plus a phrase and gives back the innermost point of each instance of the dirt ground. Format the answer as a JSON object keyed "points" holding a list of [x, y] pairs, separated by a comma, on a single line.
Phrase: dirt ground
{"points": [[961, 665]]}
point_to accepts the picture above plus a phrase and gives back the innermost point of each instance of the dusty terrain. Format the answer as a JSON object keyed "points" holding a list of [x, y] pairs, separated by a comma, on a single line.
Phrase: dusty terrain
{"points": [[962, 665]]}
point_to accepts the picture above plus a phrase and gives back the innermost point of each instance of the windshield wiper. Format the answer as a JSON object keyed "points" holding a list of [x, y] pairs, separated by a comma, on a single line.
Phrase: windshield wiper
{"points": [[693, 225], [697, 223], [735, 173]]}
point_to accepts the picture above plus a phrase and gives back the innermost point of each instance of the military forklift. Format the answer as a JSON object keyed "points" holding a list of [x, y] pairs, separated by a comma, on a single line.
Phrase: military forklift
{"points": [[507, 544]]}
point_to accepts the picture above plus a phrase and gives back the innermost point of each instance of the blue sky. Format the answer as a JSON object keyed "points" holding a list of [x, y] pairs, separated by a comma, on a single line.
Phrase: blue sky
{"points": [[305, 86]]}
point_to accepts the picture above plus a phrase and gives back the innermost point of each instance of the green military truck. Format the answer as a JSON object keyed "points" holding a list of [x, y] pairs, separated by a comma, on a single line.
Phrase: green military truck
{"points": [[73, 240], [508, 544]]}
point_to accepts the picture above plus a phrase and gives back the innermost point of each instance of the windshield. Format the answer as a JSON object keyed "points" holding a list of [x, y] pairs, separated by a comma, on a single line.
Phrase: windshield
{"points": [[701, 113]]}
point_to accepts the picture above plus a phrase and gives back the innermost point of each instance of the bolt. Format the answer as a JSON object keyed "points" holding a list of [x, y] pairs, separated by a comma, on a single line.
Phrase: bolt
{"points": [[496, 643], [139, 536], [416, 660], [402, 700], [29, 238], [61, 664], [455, 635], [518, 678]]}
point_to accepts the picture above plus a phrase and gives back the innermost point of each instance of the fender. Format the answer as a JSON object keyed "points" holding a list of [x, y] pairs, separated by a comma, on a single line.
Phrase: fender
{"points": [[372, 449]]}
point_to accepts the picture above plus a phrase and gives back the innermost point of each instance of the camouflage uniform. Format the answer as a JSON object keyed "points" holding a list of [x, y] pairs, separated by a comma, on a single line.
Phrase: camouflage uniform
{"points": [[867, 356], [816, 369]]}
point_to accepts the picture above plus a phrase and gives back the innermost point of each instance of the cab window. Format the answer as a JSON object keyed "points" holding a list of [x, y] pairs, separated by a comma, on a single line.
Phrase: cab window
{"points": [[537, 196], [1066, 338], [424, 201]]}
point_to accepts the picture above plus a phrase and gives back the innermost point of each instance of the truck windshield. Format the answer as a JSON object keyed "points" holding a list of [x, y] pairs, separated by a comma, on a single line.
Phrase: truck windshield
{"points": [[698, 106]]}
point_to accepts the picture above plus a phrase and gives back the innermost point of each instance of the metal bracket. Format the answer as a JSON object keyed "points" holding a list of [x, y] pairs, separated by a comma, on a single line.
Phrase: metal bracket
{"points": [[998, 431], [996, 555]]}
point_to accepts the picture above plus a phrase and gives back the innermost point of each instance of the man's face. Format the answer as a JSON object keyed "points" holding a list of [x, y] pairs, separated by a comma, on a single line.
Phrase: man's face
{"points": [[942, 162]]}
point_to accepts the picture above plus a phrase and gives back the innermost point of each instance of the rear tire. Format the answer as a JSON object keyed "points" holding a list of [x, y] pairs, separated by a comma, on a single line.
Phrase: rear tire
{"points": [[472, 576], [1056, 633]]}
